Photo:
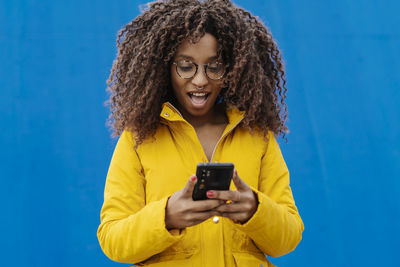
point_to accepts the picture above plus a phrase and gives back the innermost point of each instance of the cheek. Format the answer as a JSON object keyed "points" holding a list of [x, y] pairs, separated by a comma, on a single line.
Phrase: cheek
{"points": [[177, 82], [218, 86]]}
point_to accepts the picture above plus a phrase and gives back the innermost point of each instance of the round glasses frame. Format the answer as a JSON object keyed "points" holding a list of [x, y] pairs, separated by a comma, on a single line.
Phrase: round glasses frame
{"points": [[197, 68]]}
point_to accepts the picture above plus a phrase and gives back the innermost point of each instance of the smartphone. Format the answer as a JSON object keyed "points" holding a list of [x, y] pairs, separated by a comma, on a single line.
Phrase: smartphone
{"points": [[212, 176]]}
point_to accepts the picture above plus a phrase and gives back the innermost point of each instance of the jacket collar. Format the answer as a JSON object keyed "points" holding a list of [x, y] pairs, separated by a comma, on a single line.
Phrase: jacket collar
{"points": [[171, 114]]}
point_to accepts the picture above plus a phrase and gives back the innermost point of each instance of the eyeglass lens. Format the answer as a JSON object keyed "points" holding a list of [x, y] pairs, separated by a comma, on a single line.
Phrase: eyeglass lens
{"points": [[187, 69]]}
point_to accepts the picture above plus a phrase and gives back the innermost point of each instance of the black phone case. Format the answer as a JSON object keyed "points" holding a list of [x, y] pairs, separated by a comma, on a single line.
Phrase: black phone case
{"points": [[212, 176]]}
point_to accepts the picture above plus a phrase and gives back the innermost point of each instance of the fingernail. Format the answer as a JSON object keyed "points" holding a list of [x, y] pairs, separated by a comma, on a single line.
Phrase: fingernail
{"points": [[210, 193], [193, 178], [235, 172]]}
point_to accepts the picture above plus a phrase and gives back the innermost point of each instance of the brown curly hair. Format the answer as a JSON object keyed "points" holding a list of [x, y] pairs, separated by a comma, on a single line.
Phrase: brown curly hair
{"points": [[140, 83]]}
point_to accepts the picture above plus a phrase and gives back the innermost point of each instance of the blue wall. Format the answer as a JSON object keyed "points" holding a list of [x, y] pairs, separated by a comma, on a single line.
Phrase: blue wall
{"points": [[343, 70]]}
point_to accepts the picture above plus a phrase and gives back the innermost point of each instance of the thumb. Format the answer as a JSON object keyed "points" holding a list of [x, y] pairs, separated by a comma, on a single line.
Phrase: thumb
{"points": [[239, 183], [188, 189]]}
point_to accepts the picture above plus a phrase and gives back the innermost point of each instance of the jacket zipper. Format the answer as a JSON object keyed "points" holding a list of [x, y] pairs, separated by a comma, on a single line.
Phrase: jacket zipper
{"points": [[223, 136]]}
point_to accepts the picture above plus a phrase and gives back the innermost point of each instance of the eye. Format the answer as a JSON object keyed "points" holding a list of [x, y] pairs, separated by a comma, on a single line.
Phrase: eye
{"points": [[214, 67], [185, 66]]}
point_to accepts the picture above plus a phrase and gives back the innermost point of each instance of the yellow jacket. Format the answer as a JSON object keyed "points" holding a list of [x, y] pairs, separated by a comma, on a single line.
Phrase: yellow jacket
{"points": [[139, 182]]}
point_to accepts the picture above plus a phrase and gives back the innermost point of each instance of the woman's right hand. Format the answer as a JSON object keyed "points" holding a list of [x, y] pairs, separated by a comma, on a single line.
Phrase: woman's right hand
{"points": [[182, 211]]}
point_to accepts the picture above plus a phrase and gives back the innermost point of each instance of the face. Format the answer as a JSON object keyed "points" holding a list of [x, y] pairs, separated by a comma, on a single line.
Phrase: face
{"points": [[196, 96]]}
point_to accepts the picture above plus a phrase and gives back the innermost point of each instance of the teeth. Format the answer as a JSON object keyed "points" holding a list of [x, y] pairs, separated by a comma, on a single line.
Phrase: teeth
{"points": [[198, 94]]}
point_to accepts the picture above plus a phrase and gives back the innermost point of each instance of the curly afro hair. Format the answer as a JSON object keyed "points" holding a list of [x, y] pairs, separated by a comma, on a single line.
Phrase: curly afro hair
{"points": [[140, 83]]}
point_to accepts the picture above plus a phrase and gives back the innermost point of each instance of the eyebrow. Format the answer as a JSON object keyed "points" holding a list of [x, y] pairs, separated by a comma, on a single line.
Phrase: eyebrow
{"points": [[189, 57]]}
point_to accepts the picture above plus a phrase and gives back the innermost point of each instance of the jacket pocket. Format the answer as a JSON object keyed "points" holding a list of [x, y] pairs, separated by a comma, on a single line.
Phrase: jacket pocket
{"points": [[246, 259]]}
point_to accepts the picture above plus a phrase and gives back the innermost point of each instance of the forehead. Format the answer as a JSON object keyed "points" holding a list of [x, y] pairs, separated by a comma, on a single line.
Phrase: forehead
{"points": [[206, 48]]}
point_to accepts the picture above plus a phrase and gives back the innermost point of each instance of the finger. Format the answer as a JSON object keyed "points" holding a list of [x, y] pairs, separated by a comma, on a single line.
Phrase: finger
{"points": [[188, 189], [202, 216], [224, 195], [206, 205], [239, 183], [235, 216], [231, 208]]}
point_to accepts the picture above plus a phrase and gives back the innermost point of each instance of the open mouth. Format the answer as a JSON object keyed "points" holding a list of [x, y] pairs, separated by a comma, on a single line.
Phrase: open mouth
{"points": [[198, 99]]}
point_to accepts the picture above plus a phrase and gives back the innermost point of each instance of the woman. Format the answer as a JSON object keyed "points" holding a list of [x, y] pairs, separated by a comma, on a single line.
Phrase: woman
{"points": [[197, 82]]}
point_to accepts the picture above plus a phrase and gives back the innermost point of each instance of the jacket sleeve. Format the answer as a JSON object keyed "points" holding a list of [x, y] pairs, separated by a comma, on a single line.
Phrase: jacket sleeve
{"points": [[276, 226], [131, 230]]}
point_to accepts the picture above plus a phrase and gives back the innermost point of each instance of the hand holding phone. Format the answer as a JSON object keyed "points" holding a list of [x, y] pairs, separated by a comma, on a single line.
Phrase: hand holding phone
{"points": [[240, 204], [181, 211]]}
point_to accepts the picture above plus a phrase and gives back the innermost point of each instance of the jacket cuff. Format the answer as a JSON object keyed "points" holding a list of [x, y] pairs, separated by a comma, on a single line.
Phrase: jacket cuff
{"points": [[265, 207], [158, 238], [157, 218]]}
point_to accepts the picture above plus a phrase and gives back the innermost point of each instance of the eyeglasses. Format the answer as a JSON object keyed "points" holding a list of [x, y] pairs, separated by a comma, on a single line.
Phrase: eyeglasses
{"points": [[187, 69]]}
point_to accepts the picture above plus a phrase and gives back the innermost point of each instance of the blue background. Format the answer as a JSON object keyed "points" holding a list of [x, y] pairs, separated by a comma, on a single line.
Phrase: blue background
{"points": [[342, 60]]}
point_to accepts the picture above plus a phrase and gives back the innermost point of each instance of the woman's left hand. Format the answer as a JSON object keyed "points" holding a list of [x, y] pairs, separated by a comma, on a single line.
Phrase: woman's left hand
{"points": [[240, 204]]}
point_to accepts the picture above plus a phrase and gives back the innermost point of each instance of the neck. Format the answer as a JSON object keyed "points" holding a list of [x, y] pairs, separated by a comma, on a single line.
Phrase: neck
{"points": [[215, 116]]}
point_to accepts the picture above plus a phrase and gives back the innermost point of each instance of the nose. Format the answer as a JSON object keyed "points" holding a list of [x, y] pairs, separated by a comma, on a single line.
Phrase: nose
{"points": [[200, 78]]}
